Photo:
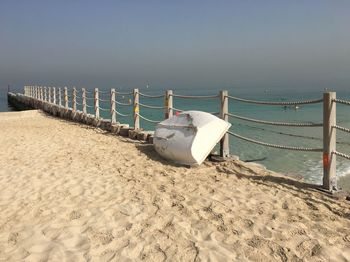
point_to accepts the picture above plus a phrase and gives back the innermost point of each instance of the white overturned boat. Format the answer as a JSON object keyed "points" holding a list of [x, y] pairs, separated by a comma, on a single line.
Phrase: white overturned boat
{"points": [[188, 137]]}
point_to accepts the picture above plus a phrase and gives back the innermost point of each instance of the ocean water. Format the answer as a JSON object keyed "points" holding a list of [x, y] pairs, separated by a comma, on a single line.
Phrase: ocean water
{"points": [[294, 163]]}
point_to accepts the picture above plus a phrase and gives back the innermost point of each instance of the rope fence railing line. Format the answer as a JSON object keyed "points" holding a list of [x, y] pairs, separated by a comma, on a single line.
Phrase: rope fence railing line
{"points": [[274, 103], [104, 92], [124, 93], [89, 106], [306, 124], [195, 97], [151, 107], [89, 98], [151, 96], [104, 109], [341, 101], [79, 104], [344, 129], [341, 155], [123, 104], [121, 114], [104, 100], [177, 109], [274, 145], [147, 119]]}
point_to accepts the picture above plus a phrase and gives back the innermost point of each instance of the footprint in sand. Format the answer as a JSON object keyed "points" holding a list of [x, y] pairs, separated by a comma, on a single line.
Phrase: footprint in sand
{"points": [[74, 215], [12, 239]]}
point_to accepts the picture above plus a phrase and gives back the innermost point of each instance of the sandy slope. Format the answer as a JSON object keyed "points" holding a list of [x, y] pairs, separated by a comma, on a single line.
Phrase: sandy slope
{"points": [[70, 192]]}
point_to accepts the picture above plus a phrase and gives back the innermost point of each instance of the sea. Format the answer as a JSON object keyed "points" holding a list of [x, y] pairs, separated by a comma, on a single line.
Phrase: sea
{"points": [[306, 165]]}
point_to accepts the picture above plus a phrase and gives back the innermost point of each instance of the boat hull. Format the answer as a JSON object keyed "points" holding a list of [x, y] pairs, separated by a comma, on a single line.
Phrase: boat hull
{"points": [[189, 137]]}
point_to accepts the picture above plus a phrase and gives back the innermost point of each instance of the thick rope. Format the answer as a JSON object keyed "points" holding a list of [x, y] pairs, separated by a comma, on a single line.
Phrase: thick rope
{"points": [[341, 155], [122, 104], [89, 98], [275, 146], [78, 103], [104, 92], [152, 107], [276, 103], [148, 120], [150, 96], [342, 128], [125, 94], [275, 123], [177, 109], [104, 100], [89, 106], [120, 114], [344, 102], [195, 97], [104, 109]]}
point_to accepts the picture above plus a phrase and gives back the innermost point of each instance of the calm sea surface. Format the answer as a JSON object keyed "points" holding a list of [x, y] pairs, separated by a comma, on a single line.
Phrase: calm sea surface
{"points": [[305, 164]]}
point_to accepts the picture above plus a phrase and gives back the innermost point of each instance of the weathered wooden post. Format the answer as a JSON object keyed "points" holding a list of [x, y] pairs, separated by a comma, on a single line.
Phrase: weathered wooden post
{"points": [[49, 88], [54, 94], [329, 141], [96, 103], [36, 92], [136, 110], [224, 143], [74, 99], [83, 95], [113, 113], [45, 93], [41, 93], [65, 97], [59, 97], [168, 104]]}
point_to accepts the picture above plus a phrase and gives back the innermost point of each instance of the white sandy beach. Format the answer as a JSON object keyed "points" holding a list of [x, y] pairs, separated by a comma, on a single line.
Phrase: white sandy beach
{"points": [[69, 192]]}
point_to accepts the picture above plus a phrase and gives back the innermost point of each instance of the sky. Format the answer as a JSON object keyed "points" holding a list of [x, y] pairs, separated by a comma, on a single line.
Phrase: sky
{"points": [[270, 44]]}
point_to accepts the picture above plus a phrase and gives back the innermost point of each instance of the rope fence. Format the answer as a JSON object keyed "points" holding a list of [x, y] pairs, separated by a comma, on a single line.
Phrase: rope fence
{"points": [[274, 145], [91, 99], [341, 155], [275, 123], [273, 103], [151, 107], [151, 96], [340, 101], [195, 97], [122, 104], [148, 120]]}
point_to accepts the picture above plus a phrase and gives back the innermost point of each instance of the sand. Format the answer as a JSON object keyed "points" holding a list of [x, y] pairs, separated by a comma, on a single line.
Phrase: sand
{"points": [[70, 192]]}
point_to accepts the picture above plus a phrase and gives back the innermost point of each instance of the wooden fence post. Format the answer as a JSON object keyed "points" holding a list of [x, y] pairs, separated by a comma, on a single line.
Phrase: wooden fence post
{"points": [[36, 92], [45, 93], [168, 103], [329, 141], [113, 113], [74, 99], [136, 110], [41, 93], [83, 95], [224, 143], [65, 97], [49, 90], [59, 97], [96, 104], [54, 94]]}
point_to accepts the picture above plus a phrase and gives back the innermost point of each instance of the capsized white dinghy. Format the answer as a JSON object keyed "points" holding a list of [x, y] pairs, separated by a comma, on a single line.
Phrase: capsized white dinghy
{"points": [[188, 137]]}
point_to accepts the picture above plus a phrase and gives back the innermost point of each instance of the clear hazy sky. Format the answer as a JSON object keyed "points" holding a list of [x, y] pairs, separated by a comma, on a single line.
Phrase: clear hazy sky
{"points": [[247, 44]]}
